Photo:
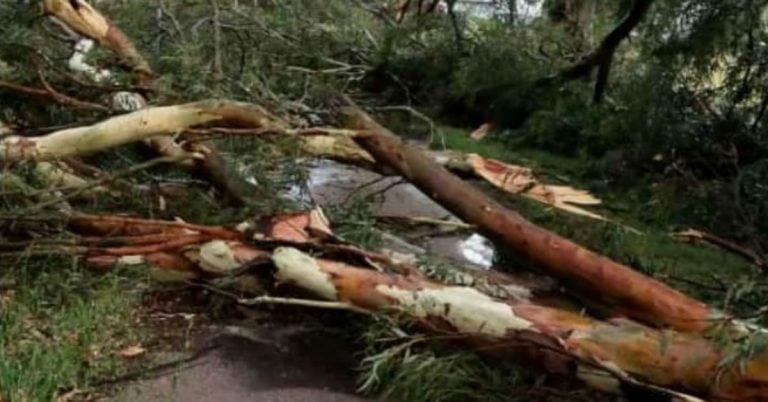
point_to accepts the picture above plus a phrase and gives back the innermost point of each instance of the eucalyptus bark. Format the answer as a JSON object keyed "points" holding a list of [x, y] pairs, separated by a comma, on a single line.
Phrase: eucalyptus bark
{"points": [[617, 356]]}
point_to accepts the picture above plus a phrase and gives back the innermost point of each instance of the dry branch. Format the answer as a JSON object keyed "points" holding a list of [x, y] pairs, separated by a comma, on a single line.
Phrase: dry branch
{"points": [[693, 235], [48, 94]]}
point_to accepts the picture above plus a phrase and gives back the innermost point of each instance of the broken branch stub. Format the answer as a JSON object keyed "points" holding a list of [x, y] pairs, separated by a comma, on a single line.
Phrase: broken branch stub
{"points": [[83, 19]]}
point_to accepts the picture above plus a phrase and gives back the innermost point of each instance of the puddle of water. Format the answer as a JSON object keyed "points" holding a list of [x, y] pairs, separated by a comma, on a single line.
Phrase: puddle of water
{"points": [[330, 183]]}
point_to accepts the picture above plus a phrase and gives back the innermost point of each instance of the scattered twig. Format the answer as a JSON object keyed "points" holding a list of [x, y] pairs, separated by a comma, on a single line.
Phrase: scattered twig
{"points": [[692, 235], [52, 95], [164, 11], [429, 221], [362, 187], [421, 116], [218, 64], [301, 302]]}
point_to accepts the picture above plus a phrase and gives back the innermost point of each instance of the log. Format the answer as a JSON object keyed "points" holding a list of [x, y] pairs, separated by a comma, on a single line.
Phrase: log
{"points": [[640, 297], [617, 356]]}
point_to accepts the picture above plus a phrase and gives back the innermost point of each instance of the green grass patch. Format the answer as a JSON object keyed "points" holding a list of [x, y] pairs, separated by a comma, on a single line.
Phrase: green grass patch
{"points": [[404, 367], [62, 327], [458, 139]]}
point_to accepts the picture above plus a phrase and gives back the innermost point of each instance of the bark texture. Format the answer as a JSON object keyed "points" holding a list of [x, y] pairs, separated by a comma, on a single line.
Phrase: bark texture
{"points": [[131, 127]]}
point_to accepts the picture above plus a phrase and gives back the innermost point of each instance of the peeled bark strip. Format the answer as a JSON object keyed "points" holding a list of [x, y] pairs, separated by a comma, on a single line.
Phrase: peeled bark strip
{"points": [[520, 180], [640, 297], [82, 18]]}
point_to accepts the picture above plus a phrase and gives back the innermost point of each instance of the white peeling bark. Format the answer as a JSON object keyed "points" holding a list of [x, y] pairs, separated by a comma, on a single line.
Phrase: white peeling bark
{"points": [[468, 310], [77, 62], [299, 269], [217, 257]]}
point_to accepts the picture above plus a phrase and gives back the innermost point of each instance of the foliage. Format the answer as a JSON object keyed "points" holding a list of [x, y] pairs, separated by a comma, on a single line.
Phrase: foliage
{"points": [[685, 114]]}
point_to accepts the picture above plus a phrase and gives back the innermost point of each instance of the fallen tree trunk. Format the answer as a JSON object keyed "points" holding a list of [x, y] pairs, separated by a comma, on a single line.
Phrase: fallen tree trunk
{"points": [[639, 297], [617, 356]]}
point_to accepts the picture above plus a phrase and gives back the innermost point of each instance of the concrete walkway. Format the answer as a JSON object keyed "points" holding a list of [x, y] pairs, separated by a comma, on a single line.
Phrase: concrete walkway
{"points": [[276, 364]]}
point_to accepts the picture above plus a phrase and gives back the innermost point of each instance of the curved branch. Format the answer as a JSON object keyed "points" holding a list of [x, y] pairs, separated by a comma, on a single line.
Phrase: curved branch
{"points": [[51, 95], [602, 57]]}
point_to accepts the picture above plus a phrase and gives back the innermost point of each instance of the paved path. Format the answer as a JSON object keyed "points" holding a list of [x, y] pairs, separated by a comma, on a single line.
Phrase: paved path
{"points": [[290, 364]]}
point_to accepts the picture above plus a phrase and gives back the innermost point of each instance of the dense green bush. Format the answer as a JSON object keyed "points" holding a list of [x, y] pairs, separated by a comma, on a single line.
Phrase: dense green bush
{"points": [[686, 103]]}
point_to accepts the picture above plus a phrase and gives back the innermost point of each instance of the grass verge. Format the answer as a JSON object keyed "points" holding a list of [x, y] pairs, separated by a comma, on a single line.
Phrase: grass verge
{"points": [[62, 327]]}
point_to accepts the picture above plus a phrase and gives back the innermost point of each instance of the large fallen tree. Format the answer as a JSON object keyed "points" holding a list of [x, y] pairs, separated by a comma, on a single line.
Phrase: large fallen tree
{"points": [[626, 353], [639, 296], [657, 343], [618, 356]]}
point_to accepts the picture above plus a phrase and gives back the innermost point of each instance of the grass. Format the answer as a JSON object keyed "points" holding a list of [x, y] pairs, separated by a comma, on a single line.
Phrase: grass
{"points": [[403, 367], [458, 139], [62, 327], [399, 366]]}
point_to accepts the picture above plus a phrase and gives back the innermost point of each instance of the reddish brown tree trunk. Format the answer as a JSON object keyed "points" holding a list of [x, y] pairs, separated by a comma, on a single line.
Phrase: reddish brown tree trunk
{"points": [[640, 297]]}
